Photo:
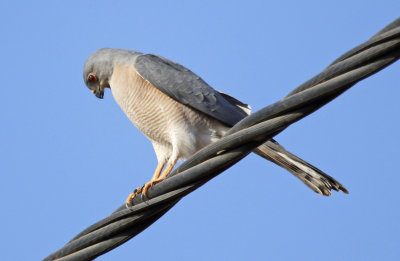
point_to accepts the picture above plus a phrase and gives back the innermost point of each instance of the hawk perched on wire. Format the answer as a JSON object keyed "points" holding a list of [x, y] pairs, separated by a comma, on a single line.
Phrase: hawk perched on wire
{"points": [[180, 113]]}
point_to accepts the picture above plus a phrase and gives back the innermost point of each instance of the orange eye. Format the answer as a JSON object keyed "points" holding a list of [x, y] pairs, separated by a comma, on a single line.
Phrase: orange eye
{"points": [[92, 78]]}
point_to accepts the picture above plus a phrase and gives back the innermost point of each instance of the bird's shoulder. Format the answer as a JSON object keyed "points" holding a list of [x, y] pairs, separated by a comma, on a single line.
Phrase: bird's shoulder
{"points": [[186, 87]]}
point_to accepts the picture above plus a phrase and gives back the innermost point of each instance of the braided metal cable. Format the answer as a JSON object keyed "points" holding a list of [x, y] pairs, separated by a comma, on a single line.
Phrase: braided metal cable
{"points": [[362, 61]]}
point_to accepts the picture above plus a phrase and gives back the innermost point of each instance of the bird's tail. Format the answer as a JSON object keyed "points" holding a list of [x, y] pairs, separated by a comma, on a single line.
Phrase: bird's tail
{"points": [[313, 177]]}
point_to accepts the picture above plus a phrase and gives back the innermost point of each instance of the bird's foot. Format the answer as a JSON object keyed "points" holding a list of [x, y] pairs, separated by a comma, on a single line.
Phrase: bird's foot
{"points": [[157, 181], [149, 184], [143, 191], [128, 201], [146, 188]]}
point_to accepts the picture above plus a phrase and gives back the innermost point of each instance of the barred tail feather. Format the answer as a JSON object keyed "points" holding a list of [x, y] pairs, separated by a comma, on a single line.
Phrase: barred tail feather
{"points": [[313, 177]]}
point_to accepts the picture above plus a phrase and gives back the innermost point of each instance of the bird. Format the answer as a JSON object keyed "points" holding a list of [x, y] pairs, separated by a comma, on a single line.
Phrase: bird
{"points": [[180, 113]]}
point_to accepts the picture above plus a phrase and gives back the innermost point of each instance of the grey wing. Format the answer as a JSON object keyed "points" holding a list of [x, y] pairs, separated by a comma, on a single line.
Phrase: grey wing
{"points": [[186, 87]]}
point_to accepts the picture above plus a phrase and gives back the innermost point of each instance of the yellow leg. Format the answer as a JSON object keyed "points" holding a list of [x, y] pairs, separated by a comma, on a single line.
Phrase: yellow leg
{"points": [[156, 174], [166, 172]]}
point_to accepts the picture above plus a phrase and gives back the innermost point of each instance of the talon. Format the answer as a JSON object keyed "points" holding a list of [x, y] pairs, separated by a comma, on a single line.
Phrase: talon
{"points": [[155, 180], [158, 181], [146, 188], [128, 201]]}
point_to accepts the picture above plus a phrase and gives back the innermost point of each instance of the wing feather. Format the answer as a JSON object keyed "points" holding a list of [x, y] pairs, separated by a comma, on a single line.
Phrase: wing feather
{"points": [[186, 87]]}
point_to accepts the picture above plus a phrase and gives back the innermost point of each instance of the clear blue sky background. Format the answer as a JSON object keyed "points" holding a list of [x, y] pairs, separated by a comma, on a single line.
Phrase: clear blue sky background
{"points": [[68, 159]]}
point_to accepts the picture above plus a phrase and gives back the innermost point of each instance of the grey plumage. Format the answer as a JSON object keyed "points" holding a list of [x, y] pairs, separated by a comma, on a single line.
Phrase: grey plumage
{"points": [[185, 87], [310, 175]]}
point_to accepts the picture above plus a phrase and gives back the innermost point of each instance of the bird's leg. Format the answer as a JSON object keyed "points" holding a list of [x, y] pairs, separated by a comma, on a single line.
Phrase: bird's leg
{"points": [[166, 172], [146, 186], [156, 174]]}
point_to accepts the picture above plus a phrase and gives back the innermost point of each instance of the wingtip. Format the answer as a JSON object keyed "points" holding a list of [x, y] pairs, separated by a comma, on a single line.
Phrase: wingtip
{"points": [[344, 190]]}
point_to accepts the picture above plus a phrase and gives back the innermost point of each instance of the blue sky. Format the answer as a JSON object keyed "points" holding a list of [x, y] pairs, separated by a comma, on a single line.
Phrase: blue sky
{"points": [[68, 159]]}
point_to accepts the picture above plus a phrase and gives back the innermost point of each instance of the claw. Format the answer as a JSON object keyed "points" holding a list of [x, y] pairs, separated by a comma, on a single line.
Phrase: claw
{"points": [[157, 181], [128, 201], [146, 187]]}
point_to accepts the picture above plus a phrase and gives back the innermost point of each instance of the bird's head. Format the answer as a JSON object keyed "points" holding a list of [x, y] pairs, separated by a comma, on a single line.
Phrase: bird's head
{"points": [[97, 71], [99, 67]]}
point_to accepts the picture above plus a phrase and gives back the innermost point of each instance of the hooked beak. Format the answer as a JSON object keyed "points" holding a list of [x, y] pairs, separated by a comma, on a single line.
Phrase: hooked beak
{"points": [[99, 93]]}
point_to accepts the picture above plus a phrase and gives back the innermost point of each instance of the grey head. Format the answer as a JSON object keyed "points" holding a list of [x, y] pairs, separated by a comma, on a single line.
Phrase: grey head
{"points": [[99, 67]]}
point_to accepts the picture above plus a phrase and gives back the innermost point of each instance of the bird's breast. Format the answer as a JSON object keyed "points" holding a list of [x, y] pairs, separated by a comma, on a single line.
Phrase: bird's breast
{"points": [[159, 117]]}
